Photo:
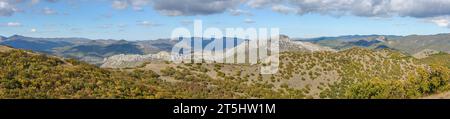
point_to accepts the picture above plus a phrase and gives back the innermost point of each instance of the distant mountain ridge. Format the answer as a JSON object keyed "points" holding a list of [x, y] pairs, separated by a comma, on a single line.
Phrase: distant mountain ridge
{"points": [[347, 38], [92, 51], [411, 44], [2, 38], [95, 51]]}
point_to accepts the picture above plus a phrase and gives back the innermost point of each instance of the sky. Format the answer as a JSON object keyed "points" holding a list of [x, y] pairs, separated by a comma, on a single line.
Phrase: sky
{"points": [[153, 19]]}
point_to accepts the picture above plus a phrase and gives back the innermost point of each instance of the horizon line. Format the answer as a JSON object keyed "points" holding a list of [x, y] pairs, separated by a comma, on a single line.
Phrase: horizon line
{"points": [[324, 36]]}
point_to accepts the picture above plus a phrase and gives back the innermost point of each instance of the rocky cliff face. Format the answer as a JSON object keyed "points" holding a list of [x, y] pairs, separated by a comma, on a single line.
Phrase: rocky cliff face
{"points": [[129, 61], [286, 44]]}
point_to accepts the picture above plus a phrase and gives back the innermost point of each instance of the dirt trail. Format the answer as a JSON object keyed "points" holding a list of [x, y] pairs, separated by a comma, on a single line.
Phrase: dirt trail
{"points": [[444, 95]]}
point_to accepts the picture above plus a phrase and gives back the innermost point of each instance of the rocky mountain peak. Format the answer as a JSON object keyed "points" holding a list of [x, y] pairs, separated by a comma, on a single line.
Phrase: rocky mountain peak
{"points": [[14, 37], [382, 39], [2, 38], [284, 38]]}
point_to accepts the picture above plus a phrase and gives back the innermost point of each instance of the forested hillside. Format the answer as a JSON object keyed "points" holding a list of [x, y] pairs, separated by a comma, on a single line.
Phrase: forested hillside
{"points": [[353, 73]]}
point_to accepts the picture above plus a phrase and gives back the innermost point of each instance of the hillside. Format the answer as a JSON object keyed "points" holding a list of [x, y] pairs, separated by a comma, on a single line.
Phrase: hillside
{"points": [[437, 59], [415, 43], [411, 44], [345, 42], [285, 45], [353, 73], [33, 75]]}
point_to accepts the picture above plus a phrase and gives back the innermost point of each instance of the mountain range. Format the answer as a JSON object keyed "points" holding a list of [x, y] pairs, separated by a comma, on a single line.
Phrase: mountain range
{"points": [[92, 51], [410, 44], [98, 50]]}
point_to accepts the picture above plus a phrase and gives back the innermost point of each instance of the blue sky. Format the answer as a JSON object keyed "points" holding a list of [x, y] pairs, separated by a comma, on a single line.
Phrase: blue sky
{"points": [[153, 19]]}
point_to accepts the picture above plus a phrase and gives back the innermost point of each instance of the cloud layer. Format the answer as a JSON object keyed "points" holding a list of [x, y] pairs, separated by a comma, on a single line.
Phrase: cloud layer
{"points": [[7, 8], [194, 7], [363, 8], [435, 11]]}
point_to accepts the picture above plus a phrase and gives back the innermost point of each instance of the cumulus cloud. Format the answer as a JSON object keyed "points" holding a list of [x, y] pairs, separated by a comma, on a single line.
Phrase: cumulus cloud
{"points": [[363, 8], [249, 21], [48, 11], [262, 3], [119, 4], [238, 12], [147, 24], [105, 26], [283, 9], [7, 8], [11, 24], [139, 4], [187, 22], [33, 30], [193, 7], [435, 11], [440, 21], [135, 4], [122, 25], [37, 1]]}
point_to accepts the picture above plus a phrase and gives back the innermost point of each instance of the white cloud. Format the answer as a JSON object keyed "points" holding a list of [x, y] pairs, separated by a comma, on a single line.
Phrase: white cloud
{"points": [[283, 9], [430, 10], [38, 1], [194, 7], [421, 9], [35, 1], [262, 3], [105, 26], [187, 22], [441, 21], [7, 8], [147, 24], [139, 4], [11, 24], [33, 30], [122, 25], [48, 11], [135, 4], [249, 21], [238, 12], [363, 8], [119, 4]]}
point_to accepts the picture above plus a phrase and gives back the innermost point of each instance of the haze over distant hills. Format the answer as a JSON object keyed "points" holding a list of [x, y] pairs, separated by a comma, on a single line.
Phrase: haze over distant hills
{"points": [[92, 51], [411, 44], [95, 51]]}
